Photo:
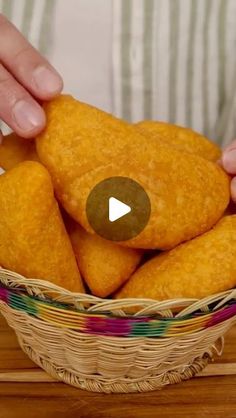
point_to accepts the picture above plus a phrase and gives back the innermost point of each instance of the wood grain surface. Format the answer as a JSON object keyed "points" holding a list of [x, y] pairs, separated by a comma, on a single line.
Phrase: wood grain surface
{"points": [[26, 391]]}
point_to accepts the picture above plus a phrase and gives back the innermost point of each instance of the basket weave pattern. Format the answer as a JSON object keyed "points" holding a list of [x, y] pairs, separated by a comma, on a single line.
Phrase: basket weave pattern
{"points": [[109, 363]]}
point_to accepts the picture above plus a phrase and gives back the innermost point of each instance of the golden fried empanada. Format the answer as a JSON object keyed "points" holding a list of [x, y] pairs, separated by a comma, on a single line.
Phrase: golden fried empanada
{"points": [[181, 138], [14, 150], [104, 265], [195, 269], [34, 241], [82, 146]]}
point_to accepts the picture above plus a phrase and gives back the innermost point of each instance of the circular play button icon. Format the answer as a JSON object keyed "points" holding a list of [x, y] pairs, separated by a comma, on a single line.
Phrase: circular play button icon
{"points": [[118, 208]]}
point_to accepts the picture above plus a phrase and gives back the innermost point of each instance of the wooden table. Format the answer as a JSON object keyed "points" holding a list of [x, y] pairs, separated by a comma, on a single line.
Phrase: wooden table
{"points": [[26, 391]]}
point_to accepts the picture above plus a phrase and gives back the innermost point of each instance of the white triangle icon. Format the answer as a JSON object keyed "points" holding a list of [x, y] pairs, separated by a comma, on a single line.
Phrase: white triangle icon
{"points": [[117, 209]]}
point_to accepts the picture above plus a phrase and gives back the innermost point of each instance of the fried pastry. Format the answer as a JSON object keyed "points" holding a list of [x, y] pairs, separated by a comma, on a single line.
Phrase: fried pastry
{"points": [[82, 146], [14, 150], [34, 241], [104, 265], [195, 269], [181, 138]]}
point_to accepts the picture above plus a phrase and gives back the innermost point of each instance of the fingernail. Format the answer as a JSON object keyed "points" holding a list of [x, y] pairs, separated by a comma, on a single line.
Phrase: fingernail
{"points": [[47, 80], [229, 160], [27, 116]]}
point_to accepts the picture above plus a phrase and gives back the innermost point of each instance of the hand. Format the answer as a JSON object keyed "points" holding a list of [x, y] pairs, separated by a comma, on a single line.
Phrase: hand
{"points": [[228, 162], [25, 77]]}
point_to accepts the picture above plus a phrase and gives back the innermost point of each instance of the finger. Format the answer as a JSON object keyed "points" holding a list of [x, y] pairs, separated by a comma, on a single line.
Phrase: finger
{"points": [[233, 189], [229, 158], [17, 107], [26, 64]]}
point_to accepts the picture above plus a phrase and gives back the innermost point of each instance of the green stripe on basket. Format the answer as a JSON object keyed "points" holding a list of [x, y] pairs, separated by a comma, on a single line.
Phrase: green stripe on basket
{"points": [[144, 328], [23, 303]]}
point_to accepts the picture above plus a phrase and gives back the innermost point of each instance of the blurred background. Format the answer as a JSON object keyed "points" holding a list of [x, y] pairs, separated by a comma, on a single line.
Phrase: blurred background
{"points": [[171, 60]]}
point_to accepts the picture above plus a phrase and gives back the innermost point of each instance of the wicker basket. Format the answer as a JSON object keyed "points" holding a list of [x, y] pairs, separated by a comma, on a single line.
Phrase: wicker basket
{"points": [[98, 345]]}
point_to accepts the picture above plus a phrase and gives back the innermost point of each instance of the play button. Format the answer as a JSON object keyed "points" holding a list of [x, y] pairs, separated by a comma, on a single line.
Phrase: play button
{"points": [[118, 208]]}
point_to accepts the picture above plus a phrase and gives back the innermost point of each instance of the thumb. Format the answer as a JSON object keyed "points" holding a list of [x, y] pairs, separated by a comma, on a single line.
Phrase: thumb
{"points": [[228, 159]]}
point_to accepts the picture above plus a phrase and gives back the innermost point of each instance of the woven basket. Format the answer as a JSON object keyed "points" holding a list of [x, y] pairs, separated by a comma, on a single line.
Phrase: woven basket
{"points": [[98, 345]]}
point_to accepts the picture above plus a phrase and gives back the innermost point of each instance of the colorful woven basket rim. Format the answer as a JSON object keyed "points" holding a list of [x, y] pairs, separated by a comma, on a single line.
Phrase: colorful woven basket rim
{"points": [[110, 323]]}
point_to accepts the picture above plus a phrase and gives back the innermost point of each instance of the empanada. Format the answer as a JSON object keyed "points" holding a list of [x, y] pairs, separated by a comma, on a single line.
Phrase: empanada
{"points": [[195, 269], [82, 146], [181, 138], [34, 241], [14, 150], [104, 265]]}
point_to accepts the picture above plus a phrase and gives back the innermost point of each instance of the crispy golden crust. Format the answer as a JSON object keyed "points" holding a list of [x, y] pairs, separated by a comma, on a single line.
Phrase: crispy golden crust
{"points": [[14, 150], [195, 269], [34, 240], [83, 145], [105, 266], [181, 138]]}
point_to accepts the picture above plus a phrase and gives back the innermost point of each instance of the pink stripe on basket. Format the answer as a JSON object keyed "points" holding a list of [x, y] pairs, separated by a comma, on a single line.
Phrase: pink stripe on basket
{"points": [[108, 326], [222, 316], [4, 295]]}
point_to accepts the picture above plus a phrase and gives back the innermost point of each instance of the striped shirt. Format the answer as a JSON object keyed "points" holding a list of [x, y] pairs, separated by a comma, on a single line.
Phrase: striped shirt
{"points": [[170, 60]]}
